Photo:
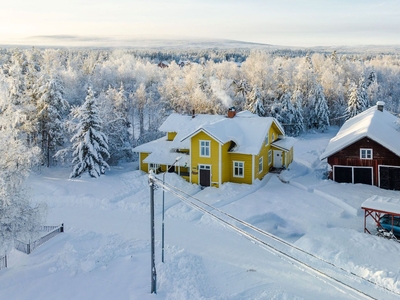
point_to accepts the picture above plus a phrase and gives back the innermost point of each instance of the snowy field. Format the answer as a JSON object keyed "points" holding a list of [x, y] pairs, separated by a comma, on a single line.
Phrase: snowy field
{"points": [[105, 250]]}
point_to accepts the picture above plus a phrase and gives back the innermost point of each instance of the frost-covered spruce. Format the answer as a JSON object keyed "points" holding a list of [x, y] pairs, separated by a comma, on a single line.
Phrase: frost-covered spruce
{"points": [[90, 145]]}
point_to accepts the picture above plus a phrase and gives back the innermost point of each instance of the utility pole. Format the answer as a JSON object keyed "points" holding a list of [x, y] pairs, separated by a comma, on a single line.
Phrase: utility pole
{"points": [[153, 266]]}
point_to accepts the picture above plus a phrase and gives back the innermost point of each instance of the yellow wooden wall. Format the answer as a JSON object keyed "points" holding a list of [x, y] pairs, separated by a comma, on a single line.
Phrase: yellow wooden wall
{"points": [[143, 166], [196, 159]]}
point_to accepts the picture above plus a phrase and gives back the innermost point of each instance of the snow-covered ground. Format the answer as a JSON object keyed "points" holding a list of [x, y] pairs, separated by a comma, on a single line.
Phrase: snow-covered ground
{"points": [[105, 250]]}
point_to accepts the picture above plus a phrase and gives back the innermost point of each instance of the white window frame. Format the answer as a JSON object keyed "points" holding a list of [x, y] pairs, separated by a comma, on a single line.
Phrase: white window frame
{"points": [[273, 137], [269, 157], [366, 153], [206, 147], [267, 139], [260, 164], [238, 165], [153, 167]]}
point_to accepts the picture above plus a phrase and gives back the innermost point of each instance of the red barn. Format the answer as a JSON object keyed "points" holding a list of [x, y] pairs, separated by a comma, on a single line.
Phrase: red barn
{"points": [[367, 149]]}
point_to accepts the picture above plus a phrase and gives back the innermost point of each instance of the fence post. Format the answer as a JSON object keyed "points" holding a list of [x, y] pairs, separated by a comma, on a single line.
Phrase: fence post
{"points": [[5, 260], [28, 248], [62, 227]]}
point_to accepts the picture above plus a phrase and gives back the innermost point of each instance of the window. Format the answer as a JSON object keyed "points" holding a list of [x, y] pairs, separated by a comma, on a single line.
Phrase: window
{"points": [[260, 164], [273, 137], [269, 157], [238, 169], [366, 153], [205, 148], [154, 167], [267, 139]]}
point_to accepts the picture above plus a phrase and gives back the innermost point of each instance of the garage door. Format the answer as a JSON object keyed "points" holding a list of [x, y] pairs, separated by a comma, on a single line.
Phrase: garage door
{"points": [[343, 174], [389, 178], [362, 175], [352, 174]]}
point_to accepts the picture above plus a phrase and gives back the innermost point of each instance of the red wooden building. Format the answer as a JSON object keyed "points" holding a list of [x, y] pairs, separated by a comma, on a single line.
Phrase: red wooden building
{"points": [[367, 150]]}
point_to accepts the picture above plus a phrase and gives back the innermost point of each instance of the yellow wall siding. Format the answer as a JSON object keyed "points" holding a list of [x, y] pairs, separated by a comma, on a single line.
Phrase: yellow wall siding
{"points": [[248, 167], [196, 159], [226, 164], [143, 166], [171, 136]]}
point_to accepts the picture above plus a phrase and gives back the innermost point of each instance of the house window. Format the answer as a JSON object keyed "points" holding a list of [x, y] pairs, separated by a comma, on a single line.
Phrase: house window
{"points": [[154, 167], [267, 139], [269, 157], [205, 148], [238, 169], [260, 164], [273, 137], [365, 153]]}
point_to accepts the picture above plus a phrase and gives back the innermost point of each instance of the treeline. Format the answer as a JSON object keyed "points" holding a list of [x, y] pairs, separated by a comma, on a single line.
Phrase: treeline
{"points": [[133, 94]]}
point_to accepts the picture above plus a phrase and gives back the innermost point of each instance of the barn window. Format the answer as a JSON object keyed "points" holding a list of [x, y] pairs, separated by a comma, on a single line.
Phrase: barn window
{"points": [[365, 153], [260, 164], [269, 157], [238, 169]]}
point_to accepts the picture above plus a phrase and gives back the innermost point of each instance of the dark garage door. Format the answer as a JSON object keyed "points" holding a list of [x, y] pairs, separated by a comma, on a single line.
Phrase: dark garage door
{"points": [[343, 174], [363, 175], [389, 178], [353, 175]]}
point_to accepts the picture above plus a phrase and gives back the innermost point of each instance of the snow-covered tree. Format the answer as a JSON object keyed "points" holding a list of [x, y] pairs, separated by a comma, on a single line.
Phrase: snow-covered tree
{"points": [[18, 219], [321, 109], [356, 101], [254, 102], [298, 124], [90, 145], [51, 107]]}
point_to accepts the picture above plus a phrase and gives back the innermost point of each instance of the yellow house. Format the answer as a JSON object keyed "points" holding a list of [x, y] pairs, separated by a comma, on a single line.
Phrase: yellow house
{"points": [[214, 149]]}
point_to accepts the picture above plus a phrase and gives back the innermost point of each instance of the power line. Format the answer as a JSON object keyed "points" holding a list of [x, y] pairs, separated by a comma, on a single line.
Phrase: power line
{"points": [[183, 196]]}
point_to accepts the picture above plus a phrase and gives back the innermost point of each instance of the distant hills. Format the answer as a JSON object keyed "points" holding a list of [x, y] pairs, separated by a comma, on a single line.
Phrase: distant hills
{"points": [[50, 41]]}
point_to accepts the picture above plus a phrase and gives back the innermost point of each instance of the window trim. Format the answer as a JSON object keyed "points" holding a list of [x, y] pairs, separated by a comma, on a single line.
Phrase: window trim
{"points": [[367, 150], [205, 147], [238, 167], [153, 167], [269, 157], [260, 163], [267, 139]]}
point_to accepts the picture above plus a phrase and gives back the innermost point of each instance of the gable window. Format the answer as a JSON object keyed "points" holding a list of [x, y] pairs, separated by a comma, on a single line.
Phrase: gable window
{"points": [[260, 164], [365, 153], [269, 157], [267, 139], [205, 148], [238, 169], [273, 137]]}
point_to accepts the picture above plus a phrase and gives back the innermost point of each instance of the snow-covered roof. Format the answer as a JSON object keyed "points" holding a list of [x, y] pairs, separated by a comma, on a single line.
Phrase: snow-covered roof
{"points": [[286, 143], [183, 125], [166, 157], [379, 126], [152, 146], [247, 130], [384, 204]]}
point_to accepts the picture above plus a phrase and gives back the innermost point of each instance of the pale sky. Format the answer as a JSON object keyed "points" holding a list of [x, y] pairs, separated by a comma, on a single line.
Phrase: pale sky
{"points": [[278, 22]]}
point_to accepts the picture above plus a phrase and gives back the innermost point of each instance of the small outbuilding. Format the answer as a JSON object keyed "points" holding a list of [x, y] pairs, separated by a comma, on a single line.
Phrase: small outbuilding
{"points": [[367, 149], [377, 206]]}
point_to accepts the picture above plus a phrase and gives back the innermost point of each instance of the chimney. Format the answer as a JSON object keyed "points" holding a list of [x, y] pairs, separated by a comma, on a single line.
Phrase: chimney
{"points": [[193, 113], [231, 112], [380, 105]]}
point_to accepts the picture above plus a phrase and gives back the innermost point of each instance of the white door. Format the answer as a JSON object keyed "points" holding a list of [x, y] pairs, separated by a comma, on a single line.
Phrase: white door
{"points": [[277, 159]]}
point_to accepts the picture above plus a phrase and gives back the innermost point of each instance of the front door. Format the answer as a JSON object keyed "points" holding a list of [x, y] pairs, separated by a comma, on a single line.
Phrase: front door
{"points": [[277, 159], [205, 175]]}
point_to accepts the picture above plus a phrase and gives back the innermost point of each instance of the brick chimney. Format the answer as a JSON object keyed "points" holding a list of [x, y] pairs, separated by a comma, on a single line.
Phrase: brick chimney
{"points": [[231, 112], [380, 105]]}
